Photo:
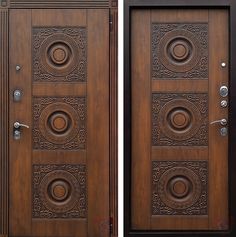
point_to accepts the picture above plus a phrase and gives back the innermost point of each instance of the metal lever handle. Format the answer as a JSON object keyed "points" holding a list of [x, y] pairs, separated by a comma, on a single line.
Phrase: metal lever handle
{"points": [[18, 125], [223, 121]]}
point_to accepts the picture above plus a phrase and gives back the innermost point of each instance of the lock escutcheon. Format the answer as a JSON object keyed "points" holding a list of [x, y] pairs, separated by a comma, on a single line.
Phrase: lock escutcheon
{"points": [[17, 135], [224, 91], [224, 131]]}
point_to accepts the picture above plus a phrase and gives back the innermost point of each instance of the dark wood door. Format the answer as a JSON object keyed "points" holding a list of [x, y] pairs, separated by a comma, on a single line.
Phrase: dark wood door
{"points": [[179, 62], [59, 165]]}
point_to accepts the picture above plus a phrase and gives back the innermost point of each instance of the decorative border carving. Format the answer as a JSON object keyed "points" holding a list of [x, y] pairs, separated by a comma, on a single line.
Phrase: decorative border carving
{"points": [[196, 172], [75, 38], [197, 34], [195, 104], [4, 122], [44, 207], [44, 140]]}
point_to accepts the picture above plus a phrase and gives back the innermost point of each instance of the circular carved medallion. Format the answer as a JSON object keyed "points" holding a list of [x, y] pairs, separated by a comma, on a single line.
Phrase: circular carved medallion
{"points": [[179, 50], [58, 123], [59, 191], [59, 54], [179, 188], [179, 119]]}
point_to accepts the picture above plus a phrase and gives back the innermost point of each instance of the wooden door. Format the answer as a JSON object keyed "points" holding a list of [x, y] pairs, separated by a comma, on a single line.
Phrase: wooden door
{"points": [[59, 87], [179, 158]]}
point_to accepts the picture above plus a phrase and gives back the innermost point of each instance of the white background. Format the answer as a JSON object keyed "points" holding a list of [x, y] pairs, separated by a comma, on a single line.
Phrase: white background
{"points": [[120, 118]]}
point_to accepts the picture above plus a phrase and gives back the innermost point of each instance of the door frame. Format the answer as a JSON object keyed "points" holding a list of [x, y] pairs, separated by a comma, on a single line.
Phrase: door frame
{"points": [[5, 7], [129, 5]]}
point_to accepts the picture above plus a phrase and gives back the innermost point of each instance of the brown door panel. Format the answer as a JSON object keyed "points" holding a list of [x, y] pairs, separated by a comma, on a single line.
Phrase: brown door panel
{"points": [[179, 161], [59, 168]]}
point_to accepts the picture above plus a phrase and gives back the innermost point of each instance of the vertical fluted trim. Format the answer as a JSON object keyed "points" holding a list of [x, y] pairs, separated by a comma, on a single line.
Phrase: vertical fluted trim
{"points": [[113, 120], [4, 122]]}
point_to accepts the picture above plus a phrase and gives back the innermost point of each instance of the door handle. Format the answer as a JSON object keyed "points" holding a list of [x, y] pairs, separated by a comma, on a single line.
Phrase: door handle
{"points": [[223, 121], [17, 125], [16, 129]]}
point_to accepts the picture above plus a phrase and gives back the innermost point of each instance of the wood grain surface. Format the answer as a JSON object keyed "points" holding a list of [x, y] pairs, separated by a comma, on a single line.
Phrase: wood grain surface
{"points": [[179, 165], [55, 106]]}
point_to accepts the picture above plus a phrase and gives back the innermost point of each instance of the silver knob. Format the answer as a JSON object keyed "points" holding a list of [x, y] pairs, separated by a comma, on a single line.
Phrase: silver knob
{"points": [[223, 121], [17, 95], [18, 67], [18, 125], [223, 64], [224, 103], [224, 91]]}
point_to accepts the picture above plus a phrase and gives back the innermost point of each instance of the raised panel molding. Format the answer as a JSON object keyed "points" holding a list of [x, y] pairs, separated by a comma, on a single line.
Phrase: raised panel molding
{"points": [[59, 123], [179, 119], [59, 54], [4, 122], [179, 187], [59, 191], [179, 51]]}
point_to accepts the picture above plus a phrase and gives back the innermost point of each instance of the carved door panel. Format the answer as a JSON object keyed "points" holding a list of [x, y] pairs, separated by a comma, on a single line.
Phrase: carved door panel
{"points": [[59, 166], [179, 61]]}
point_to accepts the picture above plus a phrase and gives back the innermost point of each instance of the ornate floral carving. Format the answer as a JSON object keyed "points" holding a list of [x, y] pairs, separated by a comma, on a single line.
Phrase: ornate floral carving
{"points": [[59, 123], [59, 54], [179, 119], [179, 187], [179, 51], [59, 191]]}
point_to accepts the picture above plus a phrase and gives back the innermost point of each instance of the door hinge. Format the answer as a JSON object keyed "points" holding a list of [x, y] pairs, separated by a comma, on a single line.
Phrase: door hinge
{"points": [[111, 22], [111, 225]]}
